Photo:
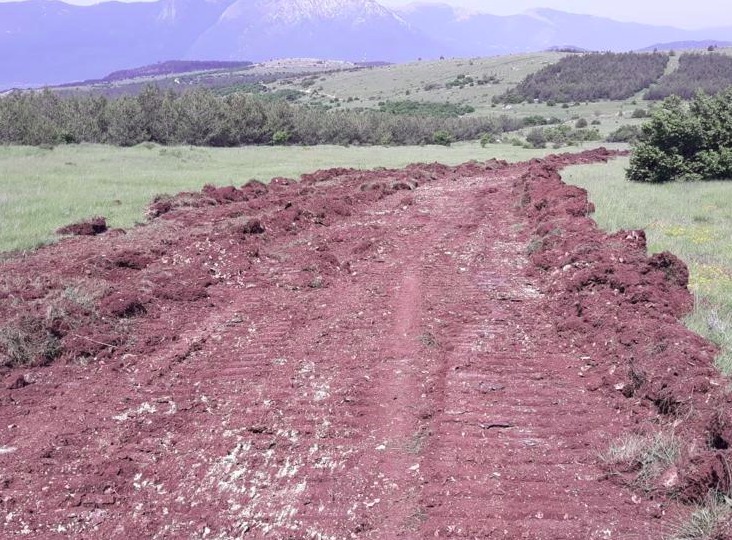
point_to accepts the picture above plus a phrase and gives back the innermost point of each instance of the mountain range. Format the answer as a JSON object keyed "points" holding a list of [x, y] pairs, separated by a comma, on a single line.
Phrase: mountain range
{"points": [[46, 42]]}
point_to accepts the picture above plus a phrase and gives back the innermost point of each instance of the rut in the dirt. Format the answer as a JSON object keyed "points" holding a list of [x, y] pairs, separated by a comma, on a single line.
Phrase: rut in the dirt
{"points": [[358, 355]]}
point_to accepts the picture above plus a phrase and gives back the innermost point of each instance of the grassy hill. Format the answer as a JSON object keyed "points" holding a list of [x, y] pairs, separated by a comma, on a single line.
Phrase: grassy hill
{"points": [[426, 81]]}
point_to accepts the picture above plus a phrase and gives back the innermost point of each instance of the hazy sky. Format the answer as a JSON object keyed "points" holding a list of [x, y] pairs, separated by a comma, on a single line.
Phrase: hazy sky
{"points": [[680, 13]]}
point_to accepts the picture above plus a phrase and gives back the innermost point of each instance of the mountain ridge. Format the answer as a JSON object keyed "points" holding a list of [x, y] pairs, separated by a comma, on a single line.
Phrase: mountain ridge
{"points": [[50, 42]]}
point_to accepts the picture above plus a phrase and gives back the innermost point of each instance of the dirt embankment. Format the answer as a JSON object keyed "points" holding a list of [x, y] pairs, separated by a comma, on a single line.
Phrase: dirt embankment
{"points": [[623, 308], [428, 352]]}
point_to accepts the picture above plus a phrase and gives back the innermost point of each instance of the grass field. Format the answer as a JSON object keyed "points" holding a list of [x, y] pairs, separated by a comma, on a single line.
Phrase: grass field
{"points": [[41, 189], [427, 80], [692, 220]]}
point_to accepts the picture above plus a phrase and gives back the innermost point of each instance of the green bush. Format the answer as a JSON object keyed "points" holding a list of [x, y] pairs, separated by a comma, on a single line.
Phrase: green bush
{"points": [[562, 135], [460, 81], [281, 137], [443, 138], [626, 134], [425, 108], [685, 142], [487, 139], [538, 120]]}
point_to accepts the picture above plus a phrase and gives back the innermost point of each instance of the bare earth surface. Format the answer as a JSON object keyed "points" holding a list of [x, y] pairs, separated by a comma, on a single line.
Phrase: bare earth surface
{"points": [[434, 352]]}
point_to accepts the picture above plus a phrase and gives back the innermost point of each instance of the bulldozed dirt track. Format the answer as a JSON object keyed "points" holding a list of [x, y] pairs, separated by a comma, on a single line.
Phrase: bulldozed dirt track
{"points": [[430, 352]]}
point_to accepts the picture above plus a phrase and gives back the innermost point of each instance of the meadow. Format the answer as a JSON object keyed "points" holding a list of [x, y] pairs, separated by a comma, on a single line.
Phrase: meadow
{"points": [[691, 220]]}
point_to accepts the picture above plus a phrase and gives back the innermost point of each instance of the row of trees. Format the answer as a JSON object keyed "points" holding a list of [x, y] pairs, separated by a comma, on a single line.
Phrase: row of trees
{"points": [[589, 77], [711, 73], [686, 141], [199, 117]]}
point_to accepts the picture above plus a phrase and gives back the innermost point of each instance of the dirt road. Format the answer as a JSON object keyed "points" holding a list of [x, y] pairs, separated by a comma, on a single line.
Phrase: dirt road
{"points": [[359, 355]]}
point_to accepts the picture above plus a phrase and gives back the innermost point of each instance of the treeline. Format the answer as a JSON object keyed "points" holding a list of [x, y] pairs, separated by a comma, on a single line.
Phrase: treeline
{"points": [[589, 77], [199, 117], [711, 73]]}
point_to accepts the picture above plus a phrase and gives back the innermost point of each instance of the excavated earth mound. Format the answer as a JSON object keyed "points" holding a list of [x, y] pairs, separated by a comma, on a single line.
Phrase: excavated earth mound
{"points": [[428, 352]]}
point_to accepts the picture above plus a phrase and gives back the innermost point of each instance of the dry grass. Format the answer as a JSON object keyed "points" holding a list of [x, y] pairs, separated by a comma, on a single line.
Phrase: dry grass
{"points": [[709, 521], [647, 456]]}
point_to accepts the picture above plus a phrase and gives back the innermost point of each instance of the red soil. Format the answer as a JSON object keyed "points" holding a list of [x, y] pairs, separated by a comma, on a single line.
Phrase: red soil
{"points": [[429, 352], [92, 227]]}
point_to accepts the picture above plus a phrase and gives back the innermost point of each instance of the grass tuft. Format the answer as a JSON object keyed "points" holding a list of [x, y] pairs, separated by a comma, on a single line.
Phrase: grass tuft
{"points": [[708, 521], [649, 456]]}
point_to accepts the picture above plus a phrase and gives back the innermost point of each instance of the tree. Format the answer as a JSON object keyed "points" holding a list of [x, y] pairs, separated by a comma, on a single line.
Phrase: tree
{"points": [[126, 122], [685, 142]]}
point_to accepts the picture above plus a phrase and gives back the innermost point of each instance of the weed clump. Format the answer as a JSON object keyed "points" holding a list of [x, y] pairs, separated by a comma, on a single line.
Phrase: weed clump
{"points": [[648, 457], [28, 342]]}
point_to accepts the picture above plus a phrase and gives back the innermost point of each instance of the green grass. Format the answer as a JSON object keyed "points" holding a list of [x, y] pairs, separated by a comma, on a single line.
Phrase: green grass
{"points": [[41, 190], [692, 220]]}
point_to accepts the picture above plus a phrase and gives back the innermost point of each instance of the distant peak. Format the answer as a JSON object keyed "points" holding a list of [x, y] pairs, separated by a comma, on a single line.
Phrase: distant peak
{"points": [[322, 8]]}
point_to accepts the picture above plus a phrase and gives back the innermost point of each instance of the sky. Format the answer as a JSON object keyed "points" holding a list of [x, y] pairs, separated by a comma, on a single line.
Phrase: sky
{"points": [[680, 13]]}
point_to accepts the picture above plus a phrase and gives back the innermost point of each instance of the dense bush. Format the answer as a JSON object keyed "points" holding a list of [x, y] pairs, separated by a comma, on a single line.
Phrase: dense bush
{"points": [[200, 117], [442, 137], [626, 134], [589, 77], [461, 81], [562, 135], [538, 120], [711, 73], [424, 108], [686, 142]]}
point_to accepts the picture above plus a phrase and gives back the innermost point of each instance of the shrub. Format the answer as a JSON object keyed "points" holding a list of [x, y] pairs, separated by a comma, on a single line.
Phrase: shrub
{"points": [[281, 137], [561, 135], [461, 81], [487, 139], [626, 134], [686, 142], [443, 138], [581, 123], [28, 342], [537, 138], [425, 108]]}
